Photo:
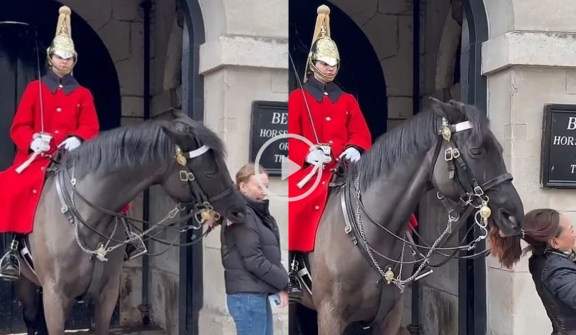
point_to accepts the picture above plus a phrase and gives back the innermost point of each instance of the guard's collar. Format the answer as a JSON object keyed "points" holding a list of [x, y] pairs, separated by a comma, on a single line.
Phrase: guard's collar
{"points": [[319, 90], [68, 82]]}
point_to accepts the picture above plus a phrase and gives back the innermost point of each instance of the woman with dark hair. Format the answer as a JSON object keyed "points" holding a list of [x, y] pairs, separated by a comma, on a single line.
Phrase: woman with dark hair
{"points": [[552, 265]]}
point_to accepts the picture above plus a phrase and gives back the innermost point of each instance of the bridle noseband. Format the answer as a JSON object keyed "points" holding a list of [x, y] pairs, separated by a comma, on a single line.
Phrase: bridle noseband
{"points": [[203, 206]]}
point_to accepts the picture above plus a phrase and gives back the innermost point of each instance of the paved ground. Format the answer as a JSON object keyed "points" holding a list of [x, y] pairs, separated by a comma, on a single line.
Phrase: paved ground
{"points": [[117, 331]]}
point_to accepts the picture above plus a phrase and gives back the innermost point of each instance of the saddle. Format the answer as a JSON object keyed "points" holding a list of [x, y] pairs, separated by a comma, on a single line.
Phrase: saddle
{"points": [[54, 165], [339, 176]]}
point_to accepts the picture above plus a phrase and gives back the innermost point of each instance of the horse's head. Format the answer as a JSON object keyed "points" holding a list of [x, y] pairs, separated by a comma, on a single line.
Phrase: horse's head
{"points": [[469, 167], [199, 173]]}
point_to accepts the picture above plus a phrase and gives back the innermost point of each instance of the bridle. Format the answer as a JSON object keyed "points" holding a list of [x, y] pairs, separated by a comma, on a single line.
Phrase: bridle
{"points": [[203, 201], [199, 208], [472, 197]]}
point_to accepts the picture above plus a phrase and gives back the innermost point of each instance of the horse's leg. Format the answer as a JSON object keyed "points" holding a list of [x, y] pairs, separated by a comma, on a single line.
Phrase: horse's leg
{"points": [[26, 293], [105, 304], [392, 321], [41, 328], [329, 321], [56, 309]]}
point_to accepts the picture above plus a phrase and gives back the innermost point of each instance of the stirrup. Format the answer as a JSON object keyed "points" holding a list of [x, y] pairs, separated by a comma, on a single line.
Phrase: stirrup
{"points": [[295, 293], [138, 244], [10, 255]]}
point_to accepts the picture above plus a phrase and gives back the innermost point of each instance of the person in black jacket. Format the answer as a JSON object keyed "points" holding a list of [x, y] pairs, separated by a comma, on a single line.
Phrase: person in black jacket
{"points": [[552, 265], [253, 271]]}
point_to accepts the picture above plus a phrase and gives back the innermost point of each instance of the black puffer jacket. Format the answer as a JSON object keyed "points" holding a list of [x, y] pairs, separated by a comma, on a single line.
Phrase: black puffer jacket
{"points": [[251, 253], [554, 274]]}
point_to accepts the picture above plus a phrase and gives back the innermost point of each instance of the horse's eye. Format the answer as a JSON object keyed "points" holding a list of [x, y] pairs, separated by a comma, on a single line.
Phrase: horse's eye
{"points": [[211, 175], [476, 151]]}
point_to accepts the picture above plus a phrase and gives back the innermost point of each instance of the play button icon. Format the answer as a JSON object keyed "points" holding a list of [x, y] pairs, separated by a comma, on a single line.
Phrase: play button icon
{"points": [[288, 167]]}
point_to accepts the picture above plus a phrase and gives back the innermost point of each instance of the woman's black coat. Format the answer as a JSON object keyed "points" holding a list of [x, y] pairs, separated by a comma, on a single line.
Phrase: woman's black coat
{"points": [[554, 274], [251, 253]]}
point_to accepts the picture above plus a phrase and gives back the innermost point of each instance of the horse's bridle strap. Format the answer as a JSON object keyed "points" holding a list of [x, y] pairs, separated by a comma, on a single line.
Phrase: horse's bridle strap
{"points": [[194, 186], [197, 152]]}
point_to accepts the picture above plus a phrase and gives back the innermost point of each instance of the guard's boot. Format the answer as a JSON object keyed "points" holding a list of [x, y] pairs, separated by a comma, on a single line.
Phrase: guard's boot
{"points": [[295, 292], [9, 263]]}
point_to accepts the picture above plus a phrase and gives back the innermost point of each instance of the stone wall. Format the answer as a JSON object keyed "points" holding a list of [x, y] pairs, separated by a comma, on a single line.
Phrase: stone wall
{"points": [[388, 25]]}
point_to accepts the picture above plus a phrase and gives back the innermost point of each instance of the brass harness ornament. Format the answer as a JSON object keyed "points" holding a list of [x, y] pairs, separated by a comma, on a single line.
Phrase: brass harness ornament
{"points": [[205, 210]]}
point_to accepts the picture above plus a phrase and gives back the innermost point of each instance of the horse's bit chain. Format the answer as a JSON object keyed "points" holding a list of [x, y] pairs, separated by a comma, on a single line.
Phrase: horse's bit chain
{"points": [[204, 209], [397, 281], [103, 250]]}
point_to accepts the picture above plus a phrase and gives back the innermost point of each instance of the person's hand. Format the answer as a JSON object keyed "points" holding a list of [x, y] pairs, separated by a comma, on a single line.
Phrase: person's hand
{"points": [[283, 298], [39, 145], [351, 154], [70, 143], [314, 157]]}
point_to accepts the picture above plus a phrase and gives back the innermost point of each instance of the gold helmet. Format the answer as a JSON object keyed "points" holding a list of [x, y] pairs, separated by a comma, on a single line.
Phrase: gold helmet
{"points": [[62, 44], [323, 48]]}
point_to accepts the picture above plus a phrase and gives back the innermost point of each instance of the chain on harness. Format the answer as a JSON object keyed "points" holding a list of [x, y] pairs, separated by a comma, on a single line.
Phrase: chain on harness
{"points": [[474, 199]]}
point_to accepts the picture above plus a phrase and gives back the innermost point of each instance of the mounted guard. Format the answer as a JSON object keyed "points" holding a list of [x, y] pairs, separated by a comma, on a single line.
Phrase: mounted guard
{"points": [[55, 113], [330, 118]]}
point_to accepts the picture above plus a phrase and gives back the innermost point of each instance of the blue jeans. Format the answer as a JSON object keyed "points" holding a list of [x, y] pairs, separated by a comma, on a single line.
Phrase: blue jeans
{"points": [[251, 312]]}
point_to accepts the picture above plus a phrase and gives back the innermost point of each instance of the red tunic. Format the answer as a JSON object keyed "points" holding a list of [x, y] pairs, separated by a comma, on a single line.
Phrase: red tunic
{"points": [[338, 121], [65, 114]]}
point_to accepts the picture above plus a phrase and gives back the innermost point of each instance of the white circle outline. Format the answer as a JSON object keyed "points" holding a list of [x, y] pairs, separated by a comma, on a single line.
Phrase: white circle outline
{"points": [[257, 170]]}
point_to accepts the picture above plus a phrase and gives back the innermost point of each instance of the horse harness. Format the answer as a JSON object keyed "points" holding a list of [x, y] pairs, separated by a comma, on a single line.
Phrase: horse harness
{"points": [[201, 211], [472, 196]]}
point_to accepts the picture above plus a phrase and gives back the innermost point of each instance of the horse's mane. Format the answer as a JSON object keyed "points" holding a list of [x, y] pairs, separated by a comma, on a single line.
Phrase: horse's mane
{"points": [[413, 136], [134, 145]]}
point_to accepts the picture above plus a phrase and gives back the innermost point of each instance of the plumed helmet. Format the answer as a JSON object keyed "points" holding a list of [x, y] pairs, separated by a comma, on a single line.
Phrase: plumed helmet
{"points": [[62, 44], [323, 47]]}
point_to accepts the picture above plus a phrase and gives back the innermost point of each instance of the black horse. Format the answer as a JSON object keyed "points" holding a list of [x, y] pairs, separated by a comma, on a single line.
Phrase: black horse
{"points": [[75, 232], [362, 261]]}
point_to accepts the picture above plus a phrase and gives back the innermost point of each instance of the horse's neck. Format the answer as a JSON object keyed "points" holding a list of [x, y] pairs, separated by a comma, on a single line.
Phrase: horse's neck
{"points": [[115, 189], [391, 199]]}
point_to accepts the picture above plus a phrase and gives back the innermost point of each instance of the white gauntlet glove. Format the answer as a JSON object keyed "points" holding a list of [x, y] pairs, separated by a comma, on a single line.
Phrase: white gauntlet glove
{"points": [[351, 154], [70, 143], [318, 155], [314, 156], [40, 143]]}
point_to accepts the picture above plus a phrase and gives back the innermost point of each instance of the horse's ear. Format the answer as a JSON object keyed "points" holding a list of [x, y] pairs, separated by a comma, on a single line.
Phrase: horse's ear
{"points": [[177, 113], [177, 136], [452, 113]]}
